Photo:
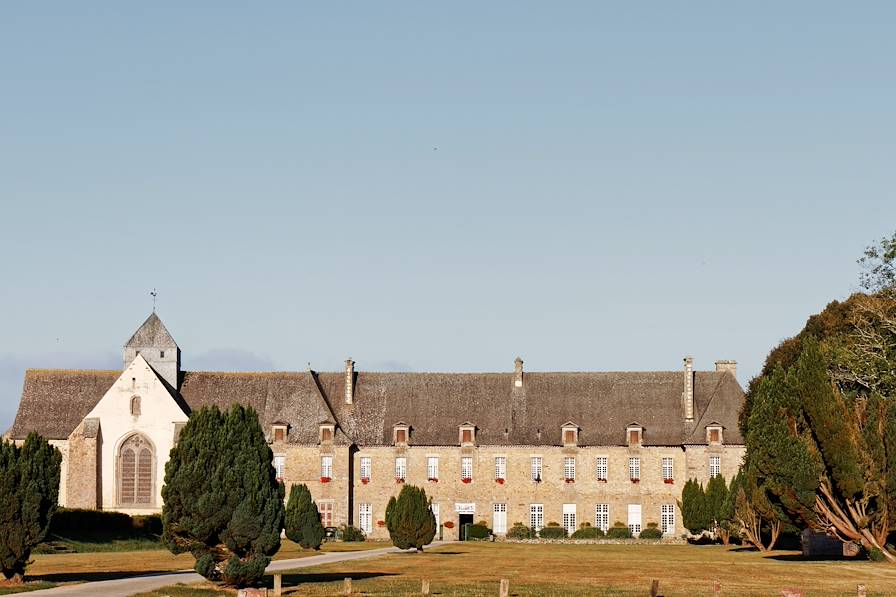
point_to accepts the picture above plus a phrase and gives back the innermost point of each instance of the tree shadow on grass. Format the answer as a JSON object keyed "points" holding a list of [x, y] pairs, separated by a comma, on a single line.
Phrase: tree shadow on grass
{"points": [[798, 557], [59, 577], [290, 580]]}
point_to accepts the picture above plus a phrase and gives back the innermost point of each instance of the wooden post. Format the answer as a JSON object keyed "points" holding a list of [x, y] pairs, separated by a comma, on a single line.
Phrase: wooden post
{"points": [[424, 588], [654, 588], [278, 585], [505, 588], [717, 589], [347, 585], [792, 593], [860, 591]]}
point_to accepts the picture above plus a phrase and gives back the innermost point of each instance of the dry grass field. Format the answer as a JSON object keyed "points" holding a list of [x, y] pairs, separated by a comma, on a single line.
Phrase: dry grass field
{"points": [[474, 569]]}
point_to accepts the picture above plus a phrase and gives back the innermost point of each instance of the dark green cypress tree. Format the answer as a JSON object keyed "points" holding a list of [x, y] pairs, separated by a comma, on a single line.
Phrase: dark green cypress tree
{"points": [[409, 519], [694, 513], [29, 488], [222, 500], [716, 492], [727, 520], [303, 519]]}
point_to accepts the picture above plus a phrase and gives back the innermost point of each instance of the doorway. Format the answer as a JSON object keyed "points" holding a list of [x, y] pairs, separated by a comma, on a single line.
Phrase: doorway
{"points": [[463, 521]]}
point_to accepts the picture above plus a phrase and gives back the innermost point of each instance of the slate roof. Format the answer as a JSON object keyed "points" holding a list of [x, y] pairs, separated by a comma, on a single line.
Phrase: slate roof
{"points": [[432, 404], [152, 333]]}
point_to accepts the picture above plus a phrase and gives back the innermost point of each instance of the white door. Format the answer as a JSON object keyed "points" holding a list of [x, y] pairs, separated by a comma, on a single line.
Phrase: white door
{"points": [[435, 512], [569, 518], [634, 518], [499, 519]]}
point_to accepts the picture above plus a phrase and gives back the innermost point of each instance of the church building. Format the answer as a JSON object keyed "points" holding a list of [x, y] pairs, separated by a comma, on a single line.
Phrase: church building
{"points": [[515, 446]]}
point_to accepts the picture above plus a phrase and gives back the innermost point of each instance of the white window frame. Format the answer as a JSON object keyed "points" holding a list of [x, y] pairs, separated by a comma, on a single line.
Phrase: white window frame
{"points": [[401, 467], [715, 466], [667, 519], [365, 518], [536, 516], [499, 518], [500, 467], [326, 467], [569, 518], [279, 465], [536, 469], [634, 519], [668, 468], [366, 467], [634, 467], [466, 467], [321, 506], [600, 468], [602, 517], [569, 468], [432, 467]]}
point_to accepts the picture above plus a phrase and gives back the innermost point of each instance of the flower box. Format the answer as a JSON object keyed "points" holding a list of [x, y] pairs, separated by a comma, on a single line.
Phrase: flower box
{"points": [[325, 479], [467, 480], [499, 481], [433, 480], [365, 480], [669, 481], [381, 523], [448, 524], [636, 480], [601, 480], [568, 480], [399, 480]]}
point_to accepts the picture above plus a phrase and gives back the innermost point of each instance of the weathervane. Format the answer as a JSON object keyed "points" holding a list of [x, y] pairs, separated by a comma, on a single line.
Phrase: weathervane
{"points": [[154, 293]]}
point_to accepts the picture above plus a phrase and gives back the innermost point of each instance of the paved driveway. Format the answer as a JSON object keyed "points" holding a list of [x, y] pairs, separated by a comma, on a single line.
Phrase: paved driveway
{"points": [[123, 587]]}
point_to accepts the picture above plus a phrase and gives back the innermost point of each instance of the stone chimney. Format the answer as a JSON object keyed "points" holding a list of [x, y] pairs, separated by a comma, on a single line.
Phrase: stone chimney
{"points": [[727, 365], [349, 380], [518, 372], [687, 395]]}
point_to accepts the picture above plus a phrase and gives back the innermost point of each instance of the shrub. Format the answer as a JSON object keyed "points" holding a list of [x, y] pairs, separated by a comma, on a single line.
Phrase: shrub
{"points": [[29, 488], [409, 519], [302, 519], [619, 531], [102, 525], [588, 532], [351, 534], [520, 531], [478, 531], [222, 500], [552, 531], [651, 532]]}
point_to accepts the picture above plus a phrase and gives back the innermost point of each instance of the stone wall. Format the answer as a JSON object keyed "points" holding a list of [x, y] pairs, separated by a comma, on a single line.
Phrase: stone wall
{"points": [[82, 481]]}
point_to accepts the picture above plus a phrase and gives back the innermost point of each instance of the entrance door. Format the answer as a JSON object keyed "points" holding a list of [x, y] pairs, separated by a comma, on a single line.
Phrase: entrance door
{"points": [[463, 519]]}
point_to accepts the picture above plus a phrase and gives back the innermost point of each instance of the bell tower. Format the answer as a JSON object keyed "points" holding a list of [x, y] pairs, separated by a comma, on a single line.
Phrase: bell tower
{"points": [[154, 343]]}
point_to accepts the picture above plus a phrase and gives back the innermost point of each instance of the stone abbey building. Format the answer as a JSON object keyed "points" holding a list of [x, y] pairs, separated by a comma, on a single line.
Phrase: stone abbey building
{"points": [[597, 447]]}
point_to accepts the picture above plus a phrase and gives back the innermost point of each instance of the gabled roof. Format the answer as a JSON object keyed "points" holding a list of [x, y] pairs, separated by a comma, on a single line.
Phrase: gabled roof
{"points": [[152, 333]]}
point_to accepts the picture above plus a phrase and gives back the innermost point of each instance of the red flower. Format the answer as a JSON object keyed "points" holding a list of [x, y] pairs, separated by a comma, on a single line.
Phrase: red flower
{"points": [[499, 481], [365, 480], [381, 523], [601, 480], [668, 481], [570, 480], [433, 479], [448, 524], [636, 480], [399, 479], [325, 479], [467, 480]]}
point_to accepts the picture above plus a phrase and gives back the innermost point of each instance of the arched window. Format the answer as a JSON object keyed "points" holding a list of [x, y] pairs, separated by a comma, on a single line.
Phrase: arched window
{"points": [[135, 472], [135, 405]]}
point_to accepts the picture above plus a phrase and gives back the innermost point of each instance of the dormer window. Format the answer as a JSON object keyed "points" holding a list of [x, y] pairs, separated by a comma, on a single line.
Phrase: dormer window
{"points": [[279, 432], [570, 434], [635, 435], [468, 434], [326, 432], [714, 435], [400, 434]]}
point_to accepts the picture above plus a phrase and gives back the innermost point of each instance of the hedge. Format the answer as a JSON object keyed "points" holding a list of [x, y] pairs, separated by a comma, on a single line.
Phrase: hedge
{"points": [[619, 531], [520, 531], [352, 534], [552, 531], [651, 532], [76, 524], [589, 533]]}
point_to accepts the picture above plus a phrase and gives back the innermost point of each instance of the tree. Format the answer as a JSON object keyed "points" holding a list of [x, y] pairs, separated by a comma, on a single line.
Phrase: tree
{"points": [[879, 265], [727, 525], [716, 494], [29, 489], [303, 519], [694, 513], [822, 433], [222, 500], [409, 519]]}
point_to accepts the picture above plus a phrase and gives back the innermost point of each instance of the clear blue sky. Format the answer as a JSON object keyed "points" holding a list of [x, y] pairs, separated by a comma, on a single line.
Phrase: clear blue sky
{"points": [[427, 186]]}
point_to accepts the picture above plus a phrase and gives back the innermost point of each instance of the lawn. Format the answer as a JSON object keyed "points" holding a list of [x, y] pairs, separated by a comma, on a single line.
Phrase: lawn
{"points": [[470, 569]]}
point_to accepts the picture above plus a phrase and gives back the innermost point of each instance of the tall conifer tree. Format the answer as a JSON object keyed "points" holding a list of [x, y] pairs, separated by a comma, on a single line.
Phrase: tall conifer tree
{"points": [[409, 519]]}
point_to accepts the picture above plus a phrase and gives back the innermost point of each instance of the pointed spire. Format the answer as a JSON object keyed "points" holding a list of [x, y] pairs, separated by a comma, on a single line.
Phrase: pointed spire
{"points": [[152, 333]]}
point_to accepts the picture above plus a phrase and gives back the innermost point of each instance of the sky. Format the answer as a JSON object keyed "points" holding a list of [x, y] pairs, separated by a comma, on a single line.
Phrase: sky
{"points": [[436, 186]]}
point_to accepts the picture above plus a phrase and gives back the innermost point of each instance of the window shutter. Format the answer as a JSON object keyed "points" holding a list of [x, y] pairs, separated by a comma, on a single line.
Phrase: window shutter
{"points": [[570, 437], [278, 434], [632, 437], [401, 436], [467, 436], [714, 436], [326, 434]]}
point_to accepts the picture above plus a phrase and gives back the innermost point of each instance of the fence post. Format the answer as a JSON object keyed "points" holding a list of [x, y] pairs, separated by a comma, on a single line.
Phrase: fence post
{"points": [[505, 588], [347, 585], [278, 585], [424, 588], [860, 591], [654, 588], [717, 589]]}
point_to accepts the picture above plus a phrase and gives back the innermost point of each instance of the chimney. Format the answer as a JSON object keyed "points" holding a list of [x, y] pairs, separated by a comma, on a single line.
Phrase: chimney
{"points": [[349, 380], [727, 365], [518, 372], [688, 395]]}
